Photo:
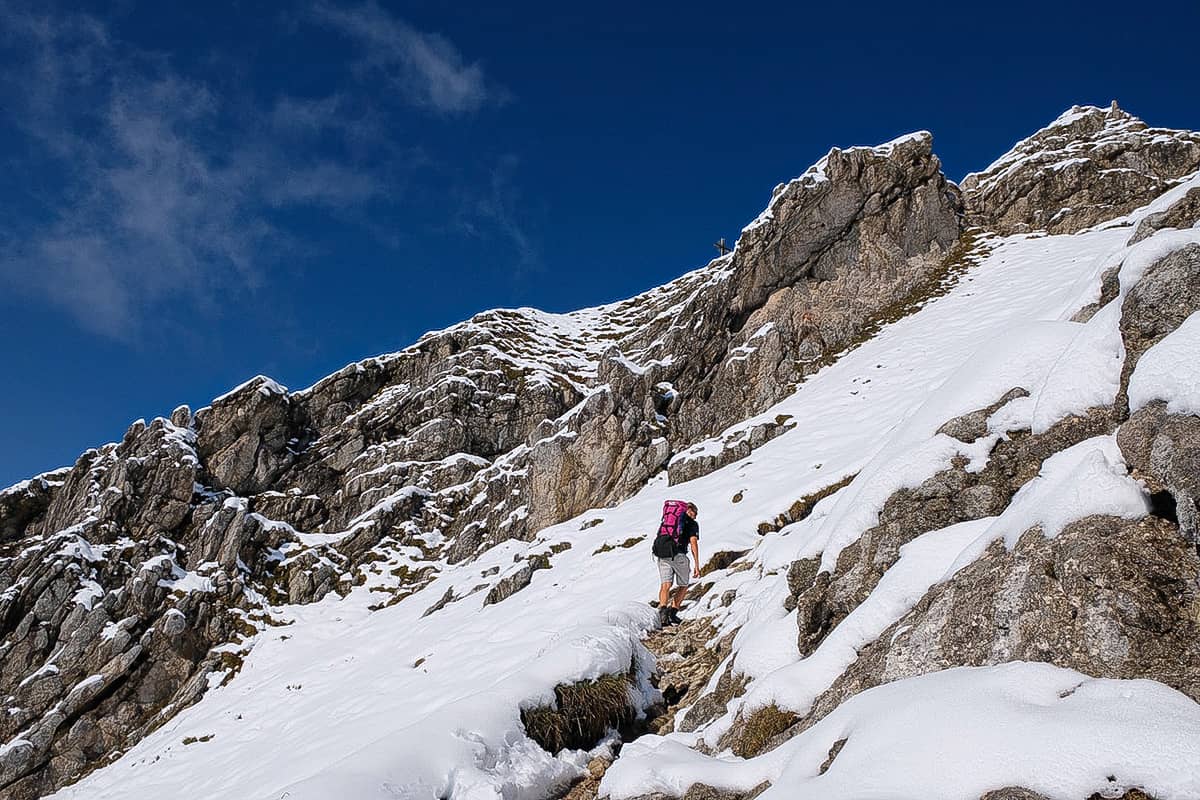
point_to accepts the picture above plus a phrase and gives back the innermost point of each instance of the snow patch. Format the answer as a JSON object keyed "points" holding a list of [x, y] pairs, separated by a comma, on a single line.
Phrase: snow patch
{"points": [[1170, 371]]}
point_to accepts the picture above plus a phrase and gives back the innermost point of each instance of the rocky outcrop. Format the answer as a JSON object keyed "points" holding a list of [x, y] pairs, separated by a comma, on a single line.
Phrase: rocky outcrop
{"points": [[823, 599], [22, 504], [1162, 448], [852, 236], [1088, 166], [1164, 451], [1108, 597], [611, 445], [1166, 295], [1183, 213], [246, 437], [839, 245], [113, 605]]}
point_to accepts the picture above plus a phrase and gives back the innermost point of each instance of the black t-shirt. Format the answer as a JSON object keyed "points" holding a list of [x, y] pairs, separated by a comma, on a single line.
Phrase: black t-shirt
{"points": [[691, 530]]}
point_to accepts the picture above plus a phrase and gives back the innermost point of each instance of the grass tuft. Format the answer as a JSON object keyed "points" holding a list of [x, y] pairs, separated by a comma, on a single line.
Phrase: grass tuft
{"points": [[195, 739], [760, 728], [721, 559], [630, 542], [583, 713]]}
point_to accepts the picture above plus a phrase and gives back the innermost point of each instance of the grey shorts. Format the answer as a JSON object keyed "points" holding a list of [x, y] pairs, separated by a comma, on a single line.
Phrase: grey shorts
{"points": [[678, 567]]}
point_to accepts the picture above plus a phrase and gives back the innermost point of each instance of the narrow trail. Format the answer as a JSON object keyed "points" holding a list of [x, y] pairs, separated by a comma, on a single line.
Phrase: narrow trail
{"points": [[689, 656]]}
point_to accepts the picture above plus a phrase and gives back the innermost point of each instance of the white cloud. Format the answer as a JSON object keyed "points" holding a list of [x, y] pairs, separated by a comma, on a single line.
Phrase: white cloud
{"points": [[166, 193], [495, 209], [424, 67], [326, 183], [148, 193]]}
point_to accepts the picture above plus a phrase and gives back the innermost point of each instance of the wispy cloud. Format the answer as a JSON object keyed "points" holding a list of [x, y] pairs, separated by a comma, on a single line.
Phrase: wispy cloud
{"points": [[425, 68], [166, 193], [147, 191], [495, 209]]}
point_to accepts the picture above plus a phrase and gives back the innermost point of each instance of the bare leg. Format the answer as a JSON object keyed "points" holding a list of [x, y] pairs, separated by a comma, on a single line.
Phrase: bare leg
{"points": [[680, 593], [664, 594]]}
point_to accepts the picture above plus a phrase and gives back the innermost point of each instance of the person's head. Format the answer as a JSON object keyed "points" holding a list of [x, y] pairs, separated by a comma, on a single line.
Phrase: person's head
{"points": [[692, 511]]}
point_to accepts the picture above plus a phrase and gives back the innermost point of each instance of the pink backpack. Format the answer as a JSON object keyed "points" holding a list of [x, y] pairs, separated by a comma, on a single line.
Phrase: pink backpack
{"points": [[670, 530]]}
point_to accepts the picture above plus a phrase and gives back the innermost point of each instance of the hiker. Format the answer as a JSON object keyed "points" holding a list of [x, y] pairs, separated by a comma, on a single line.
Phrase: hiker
{"points": [[677, 534]]}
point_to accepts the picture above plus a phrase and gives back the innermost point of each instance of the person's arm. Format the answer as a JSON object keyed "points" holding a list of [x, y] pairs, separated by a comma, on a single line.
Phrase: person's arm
{"points": [[695, 557]]}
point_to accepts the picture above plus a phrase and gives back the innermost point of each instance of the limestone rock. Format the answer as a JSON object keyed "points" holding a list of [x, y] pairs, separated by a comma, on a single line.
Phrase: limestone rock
{"points": [[20, 505], [509, 585], [973, 425], [945, 498], [853, 235], [1088, 166], [1166, 294], [244, 436], [1108, 597], [1183, 213], [1164, 450]]}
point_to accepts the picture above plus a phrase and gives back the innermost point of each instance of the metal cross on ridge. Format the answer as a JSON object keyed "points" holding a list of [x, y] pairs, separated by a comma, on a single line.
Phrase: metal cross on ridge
{"points": [[722, 248]]}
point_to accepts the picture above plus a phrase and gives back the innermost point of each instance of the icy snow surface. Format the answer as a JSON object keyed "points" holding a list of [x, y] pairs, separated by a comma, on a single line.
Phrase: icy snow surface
{"points": [[1170, 371], [346, 702]]}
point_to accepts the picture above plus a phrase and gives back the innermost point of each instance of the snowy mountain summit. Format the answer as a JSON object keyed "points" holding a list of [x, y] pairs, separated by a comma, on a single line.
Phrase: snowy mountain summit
{"points": [[944, 439]]}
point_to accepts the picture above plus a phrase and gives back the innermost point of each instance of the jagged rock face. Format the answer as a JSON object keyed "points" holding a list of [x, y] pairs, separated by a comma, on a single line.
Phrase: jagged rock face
{"points": [[1088, 166], [111, 606], [855, 234], [245, 437], [848, 239], [1165, 296], [1164, 450], [85, 667], [1183, 213], [1108, 597], [517, 420], [24, 503]]}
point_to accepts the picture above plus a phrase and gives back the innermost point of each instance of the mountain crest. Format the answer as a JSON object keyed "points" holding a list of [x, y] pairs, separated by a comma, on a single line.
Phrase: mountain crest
{"points": [[1088, 166]]}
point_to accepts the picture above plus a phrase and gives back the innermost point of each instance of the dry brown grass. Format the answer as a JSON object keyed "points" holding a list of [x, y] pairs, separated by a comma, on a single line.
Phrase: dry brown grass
{"points": [[630, 542], [760, 728], [582, 714]]}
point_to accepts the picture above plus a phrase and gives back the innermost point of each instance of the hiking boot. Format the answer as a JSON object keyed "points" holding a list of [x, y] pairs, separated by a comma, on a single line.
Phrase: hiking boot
{"points": [[673, 615], [664, 616]]}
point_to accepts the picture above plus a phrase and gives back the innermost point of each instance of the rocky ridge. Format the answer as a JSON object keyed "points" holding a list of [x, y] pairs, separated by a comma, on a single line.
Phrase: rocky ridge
{"points": [[134, 580], [1088, 166]]}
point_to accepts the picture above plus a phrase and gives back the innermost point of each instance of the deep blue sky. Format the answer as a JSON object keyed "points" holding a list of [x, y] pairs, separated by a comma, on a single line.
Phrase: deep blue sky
{"points": [[191, 197]]}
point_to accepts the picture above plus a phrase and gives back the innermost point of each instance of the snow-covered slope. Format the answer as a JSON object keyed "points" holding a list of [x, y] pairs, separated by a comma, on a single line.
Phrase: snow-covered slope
{"points": [[337, 699]]}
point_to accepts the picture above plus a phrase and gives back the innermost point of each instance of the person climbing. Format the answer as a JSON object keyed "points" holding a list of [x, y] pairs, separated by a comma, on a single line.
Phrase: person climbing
{"points": [[678, 533]]}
